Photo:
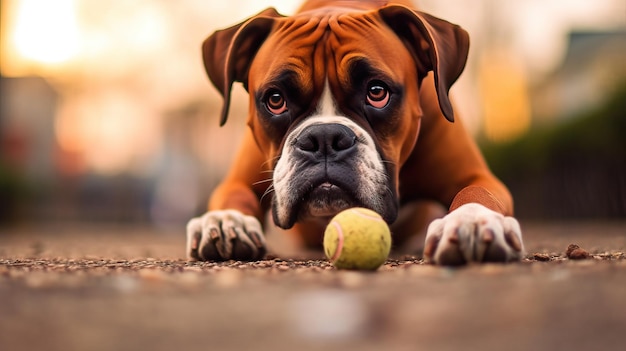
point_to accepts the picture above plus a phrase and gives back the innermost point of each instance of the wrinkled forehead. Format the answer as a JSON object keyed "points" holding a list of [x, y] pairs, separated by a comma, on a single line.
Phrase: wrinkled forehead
{"points": [[312, 48], [289, 52]]}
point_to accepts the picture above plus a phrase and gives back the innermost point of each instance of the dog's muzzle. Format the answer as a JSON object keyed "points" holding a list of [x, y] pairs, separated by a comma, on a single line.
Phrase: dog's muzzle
{"points": [[327, 167]]}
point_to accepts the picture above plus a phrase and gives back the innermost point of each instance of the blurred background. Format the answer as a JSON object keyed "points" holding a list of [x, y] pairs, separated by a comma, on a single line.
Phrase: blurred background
{"points": [[106, 114]]}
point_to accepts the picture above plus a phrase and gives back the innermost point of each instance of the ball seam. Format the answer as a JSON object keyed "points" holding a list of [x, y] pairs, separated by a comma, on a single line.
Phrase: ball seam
{"points": [[366, 215], [340, 238]]}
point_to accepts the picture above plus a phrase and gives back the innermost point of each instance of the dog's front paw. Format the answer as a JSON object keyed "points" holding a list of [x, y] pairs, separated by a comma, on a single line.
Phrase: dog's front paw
{"points": [[473, 233], [225, 235]]}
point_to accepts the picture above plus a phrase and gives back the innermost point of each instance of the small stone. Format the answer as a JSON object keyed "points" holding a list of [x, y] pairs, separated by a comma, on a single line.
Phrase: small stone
{"points": [[575, 252], [541, 257]]}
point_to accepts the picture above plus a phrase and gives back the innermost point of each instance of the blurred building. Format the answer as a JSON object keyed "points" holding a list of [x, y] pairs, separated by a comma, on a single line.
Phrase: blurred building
{"points": [[27, 142], [28, 107], [39, 181], [593, 67]]}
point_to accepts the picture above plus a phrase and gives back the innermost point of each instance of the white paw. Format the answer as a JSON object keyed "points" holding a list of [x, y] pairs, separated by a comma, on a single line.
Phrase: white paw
{"points": [[473, 233], [225, 235]]}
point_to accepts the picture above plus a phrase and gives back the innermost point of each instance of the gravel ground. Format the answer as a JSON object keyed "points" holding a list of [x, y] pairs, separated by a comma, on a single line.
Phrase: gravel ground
{"points": [[69, 287]]}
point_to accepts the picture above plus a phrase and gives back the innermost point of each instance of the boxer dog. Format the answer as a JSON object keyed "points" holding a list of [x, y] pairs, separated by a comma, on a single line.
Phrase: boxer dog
{"points": [[349, 106]]}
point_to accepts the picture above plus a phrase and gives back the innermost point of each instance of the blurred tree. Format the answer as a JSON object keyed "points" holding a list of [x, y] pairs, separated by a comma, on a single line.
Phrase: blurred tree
{"points": [[572, 170]]}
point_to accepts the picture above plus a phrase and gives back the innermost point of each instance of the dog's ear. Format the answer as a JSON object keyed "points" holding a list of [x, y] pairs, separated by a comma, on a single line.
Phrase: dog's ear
{"points": [[227, 53], [435, 44]]}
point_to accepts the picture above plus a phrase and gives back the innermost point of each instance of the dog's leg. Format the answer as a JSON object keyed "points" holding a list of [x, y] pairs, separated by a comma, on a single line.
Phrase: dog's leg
{"points": [[452, 171], [232, 229], [478, 227]]}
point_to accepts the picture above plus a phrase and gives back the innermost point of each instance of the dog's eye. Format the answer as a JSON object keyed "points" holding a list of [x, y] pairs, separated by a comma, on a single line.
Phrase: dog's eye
{"points": [[275, 102], [377, 94]]}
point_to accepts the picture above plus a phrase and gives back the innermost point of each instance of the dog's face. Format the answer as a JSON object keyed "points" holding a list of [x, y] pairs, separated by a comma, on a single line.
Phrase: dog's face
{"points": [[334, 102], [331, 109]]}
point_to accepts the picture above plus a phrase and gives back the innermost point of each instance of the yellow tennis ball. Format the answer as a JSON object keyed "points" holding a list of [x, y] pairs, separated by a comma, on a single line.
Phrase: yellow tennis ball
{"points": [[357, 238]]}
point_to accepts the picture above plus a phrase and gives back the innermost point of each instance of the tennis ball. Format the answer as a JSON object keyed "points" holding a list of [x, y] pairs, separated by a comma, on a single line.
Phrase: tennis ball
{"points": [[357, 238]]}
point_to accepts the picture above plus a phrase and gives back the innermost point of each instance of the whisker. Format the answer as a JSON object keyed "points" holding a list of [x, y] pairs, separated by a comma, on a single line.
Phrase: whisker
{"points": [[271, 160], [268, 191], [262, 181]]}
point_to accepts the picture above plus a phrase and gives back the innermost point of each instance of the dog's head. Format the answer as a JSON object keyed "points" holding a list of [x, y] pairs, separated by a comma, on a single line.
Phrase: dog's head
{"points": [[334, 99]]}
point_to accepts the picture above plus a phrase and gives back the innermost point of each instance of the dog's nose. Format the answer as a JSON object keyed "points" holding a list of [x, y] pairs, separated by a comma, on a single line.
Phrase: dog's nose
{"points": [[324, 140]]}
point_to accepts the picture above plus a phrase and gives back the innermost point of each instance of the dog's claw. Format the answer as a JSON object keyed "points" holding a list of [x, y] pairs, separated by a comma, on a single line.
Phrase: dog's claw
{"points": [[488, 236], [511, 237], [257, 239], [454, 236], [225, 235], [431, 245], [473, 233], [192, 246]]}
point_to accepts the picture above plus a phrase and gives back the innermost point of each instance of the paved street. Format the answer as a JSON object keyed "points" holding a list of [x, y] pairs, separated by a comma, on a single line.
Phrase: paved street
{"points": [[123, 288]]}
